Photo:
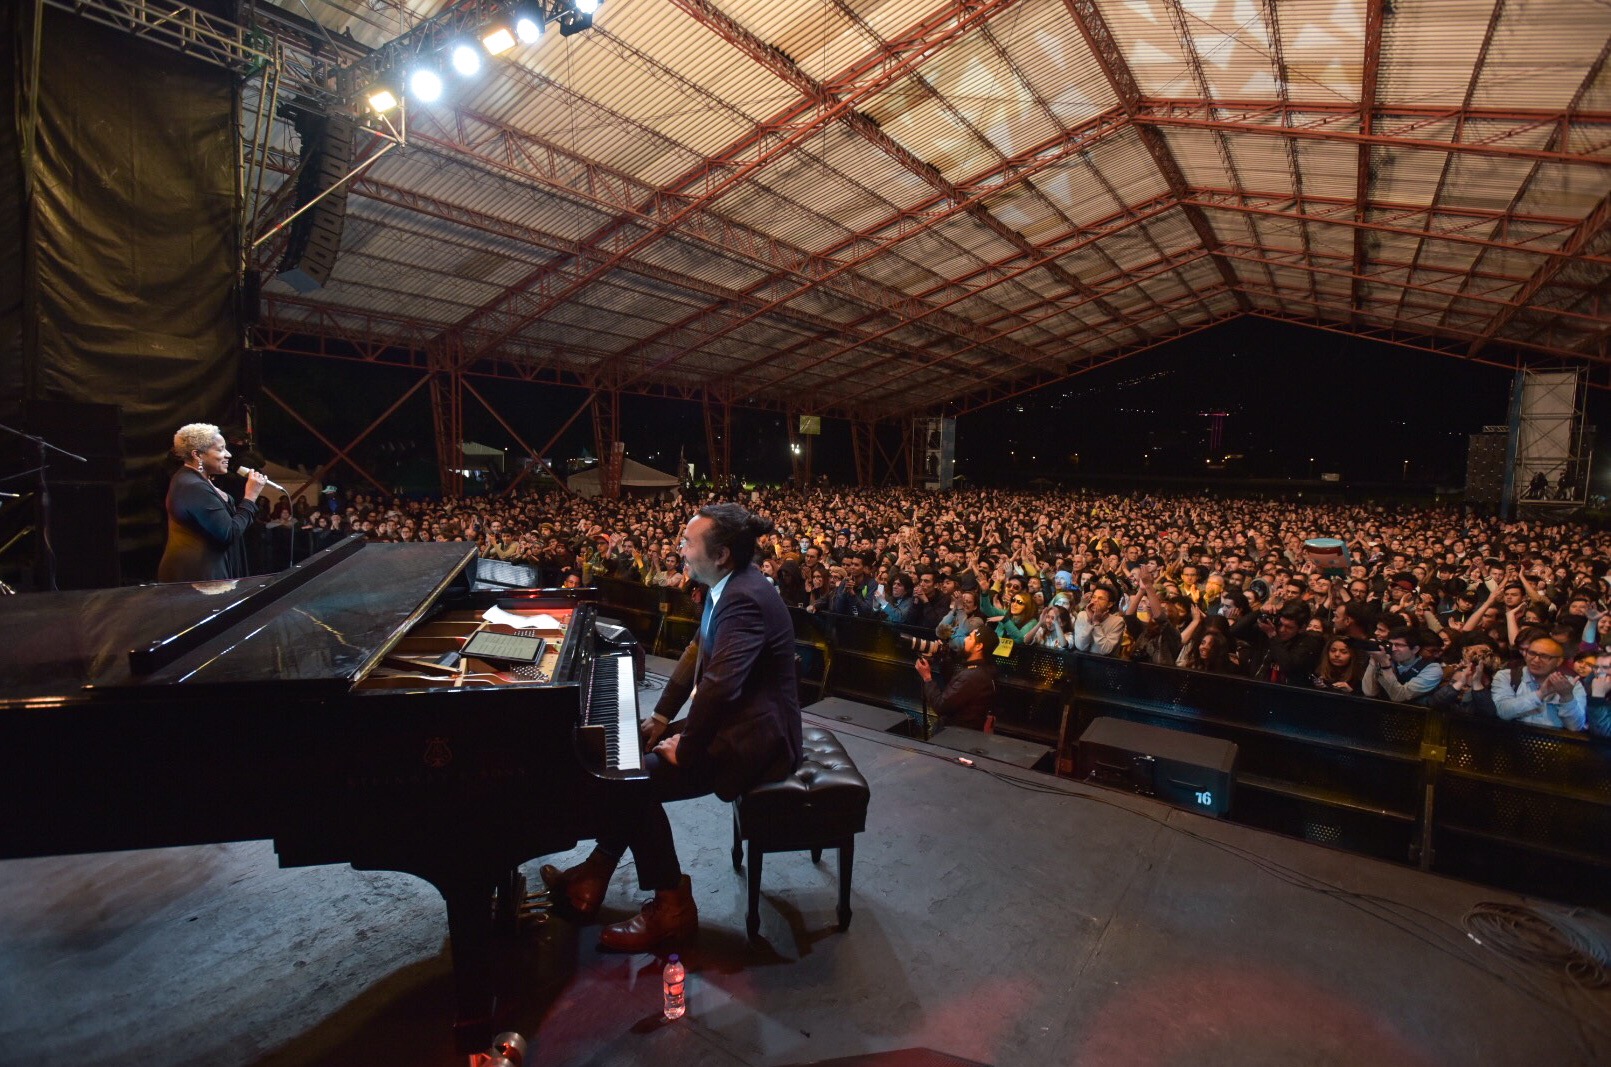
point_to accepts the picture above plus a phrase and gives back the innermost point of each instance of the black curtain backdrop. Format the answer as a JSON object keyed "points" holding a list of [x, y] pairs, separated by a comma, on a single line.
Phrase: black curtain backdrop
{"points": [[132, 229]]}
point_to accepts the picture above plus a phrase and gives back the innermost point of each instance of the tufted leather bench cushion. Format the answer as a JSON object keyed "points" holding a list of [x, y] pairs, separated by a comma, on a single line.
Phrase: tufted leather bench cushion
{"points": [[823, 801], [821, 805]]}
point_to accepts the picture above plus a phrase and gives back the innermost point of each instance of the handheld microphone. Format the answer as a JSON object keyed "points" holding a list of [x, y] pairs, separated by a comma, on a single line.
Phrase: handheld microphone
{"points": [[246, 472]]}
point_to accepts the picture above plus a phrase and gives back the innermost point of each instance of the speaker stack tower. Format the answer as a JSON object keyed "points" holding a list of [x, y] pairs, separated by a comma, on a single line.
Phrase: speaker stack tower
{"points": [[315, 235]]}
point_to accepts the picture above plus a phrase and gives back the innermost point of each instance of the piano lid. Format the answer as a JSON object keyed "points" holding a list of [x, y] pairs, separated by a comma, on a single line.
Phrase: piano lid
{"points": [[330, 628]]}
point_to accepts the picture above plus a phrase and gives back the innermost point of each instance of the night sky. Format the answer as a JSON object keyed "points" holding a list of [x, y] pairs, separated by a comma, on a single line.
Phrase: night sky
{"points": [[1298, 403]]}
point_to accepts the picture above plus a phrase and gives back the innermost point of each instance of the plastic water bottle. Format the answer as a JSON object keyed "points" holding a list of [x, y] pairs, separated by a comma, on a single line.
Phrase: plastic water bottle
{"points": [[671, 985]]}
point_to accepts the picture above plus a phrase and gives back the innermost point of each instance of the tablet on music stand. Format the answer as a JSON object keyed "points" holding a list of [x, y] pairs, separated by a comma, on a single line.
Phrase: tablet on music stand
{"points": [[506, 648]]}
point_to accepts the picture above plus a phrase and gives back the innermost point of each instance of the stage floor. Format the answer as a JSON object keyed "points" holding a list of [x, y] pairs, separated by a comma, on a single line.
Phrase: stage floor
{"points": [[1001, 916]]}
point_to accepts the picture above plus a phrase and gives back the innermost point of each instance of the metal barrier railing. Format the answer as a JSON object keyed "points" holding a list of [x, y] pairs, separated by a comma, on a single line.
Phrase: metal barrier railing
{"points": [[1503, 803]]}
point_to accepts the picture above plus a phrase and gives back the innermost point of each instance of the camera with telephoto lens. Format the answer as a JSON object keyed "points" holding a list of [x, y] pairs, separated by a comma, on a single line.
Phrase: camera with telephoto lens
{"points": [[922, 646]]}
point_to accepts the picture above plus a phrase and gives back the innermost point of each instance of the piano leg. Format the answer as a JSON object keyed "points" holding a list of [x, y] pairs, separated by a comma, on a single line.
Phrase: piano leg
{"points": [[471, 927]]}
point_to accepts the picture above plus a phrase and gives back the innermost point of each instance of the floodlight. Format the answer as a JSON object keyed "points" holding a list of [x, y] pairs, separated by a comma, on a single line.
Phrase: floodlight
{"points": [[466, 60], [426, 85], [498, 40], [382, 99], [587, 7], [528, 19]]}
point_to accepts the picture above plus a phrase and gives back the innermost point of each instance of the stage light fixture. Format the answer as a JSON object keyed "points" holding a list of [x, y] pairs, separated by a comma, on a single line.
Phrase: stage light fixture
{"points": [[426, 85], [574, 16], [528, 19], [466, 60], [382, 94], [497, 40]]}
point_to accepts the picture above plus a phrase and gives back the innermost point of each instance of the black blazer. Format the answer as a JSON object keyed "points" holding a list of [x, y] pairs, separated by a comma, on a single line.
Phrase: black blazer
{"points": [[205, 531], [744, 723]]}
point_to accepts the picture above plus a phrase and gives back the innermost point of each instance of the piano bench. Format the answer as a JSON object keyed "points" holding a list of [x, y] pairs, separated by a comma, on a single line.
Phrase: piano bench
{"points": [[820, 806]]}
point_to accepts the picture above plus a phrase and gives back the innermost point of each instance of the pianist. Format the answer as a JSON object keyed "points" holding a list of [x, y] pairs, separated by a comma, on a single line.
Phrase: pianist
{"points": [[743, 728], [206, 525]]}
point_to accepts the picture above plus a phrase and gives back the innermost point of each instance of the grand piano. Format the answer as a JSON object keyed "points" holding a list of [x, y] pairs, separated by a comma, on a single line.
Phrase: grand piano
{"points": [[329, 708]]}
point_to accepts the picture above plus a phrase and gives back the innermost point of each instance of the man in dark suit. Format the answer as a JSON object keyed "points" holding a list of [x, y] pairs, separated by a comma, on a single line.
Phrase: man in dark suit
{"points": [[743, 728]]}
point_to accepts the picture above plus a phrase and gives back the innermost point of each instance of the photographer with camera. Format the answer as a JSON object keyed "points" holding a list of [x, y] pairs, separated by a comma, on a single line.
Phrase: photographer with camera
{"points": [[969, 696], [1468, 689], [1399, 672], [1292, 654]]}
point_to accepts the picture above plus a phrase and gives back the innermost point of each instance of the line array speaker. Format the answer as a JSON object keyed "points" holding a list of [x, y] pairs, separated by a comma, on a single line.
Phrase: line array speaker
{"points": [[315, 237]]}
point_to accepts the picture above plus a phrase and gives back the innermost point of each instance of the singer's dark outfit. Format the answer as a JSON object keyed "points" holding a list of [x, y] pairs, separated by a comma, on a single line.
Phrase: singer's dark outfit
{"points": [[206, 531], [743, 727]]}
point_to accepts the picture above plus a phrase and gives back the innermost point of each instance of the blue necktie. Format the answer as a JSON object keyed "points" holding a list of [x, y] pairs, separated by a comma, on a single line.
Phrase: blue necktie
{"points": [[704, 630]]}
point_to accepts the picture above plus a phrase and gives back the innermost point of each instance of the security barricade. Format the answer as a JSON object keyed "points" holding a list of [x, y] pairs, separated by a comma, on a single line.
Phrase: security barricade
{"points": [[1501, 803]]}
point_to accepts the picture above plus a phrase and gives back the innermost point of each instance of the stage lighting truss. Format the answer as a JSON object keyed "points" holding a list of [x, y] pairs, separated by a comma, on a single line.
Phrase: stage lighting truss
{"points": [[456, 41]]}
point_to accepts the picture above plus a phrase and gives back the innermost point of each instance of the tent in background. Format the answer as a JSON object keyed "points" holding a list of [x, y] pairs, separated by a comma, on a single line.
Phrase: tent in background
{"points": [[637, 479], [291, 478]]}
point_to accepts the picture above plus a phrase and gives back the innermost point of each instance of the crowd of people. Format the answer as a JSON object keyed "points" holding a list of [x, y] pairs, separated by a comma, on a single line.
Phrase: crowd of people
{"points": [[1431, 605]]}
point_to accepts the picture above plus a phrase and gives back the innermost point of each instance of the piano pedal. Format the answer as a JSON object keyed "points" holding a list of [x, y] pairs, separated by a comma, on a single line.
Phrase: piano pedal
{"points": [[535, 909]]}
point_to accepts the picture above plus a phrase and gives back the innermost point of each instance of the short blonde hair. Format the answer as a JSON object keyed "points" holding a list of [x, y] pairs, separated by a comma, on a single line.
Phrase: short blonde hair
{"points": [[195, 437]]}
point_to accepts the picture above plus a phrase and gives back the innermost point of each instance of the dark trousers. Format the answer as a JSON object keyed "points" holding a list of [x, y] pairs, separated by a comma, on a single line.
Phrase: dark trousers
{"points": [[639, 822]]}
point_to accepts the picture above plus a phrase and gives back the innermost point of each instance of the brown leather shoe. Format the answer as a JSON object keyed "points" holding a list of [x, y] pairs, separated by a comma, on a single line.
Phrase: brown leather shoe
{"points": [[579, 890], [670, 917]]}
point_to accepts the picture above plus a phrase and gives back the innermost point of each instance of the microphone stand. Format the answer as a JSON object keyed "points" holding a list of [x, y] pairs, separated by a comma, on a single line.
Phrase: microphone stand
{"points": [[47, 553]]}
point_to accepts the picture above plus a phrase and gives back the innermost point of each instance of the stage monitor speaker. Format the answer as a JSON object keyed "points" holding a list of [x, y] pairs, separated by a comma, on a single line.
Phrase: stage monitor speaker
{"points": [[1188, 770]]}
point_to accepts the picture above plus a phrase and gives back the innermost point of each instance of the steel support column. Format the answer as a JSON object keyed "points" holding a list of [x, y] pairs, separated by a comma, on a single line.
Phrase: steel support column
{"points": [[719, 438], [861, 439], [447, 416], [607, 444]]}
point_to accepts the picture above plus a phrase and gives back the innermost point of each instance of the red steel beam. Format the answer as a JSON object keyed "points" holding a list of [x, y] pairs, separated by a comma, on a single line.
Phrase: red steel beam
{"points": [[1166, 263], [1334, 128], [1205, 198], [1477, 68], [1435, 330], [575, 178], [779, 64], [1593, 225], [771, 140], [1299, 259], [1110, 57], [1283, 88], [435, 207], [1559, 135], [886, 234], [1367, 124]]}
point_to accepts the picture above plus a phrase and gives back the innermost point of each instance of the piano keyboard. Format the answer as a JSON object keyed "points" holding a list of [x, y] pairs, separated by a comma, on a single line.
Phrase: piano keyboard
{"points": [[612, 707]]}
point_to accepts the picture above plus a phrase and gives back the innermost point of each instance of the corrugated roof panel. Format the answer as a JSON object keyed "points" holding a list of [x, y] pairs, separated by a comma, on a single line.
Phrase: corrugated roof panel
{"points": [[1126, 164], [1045, 45], [981, 82], [1261, 162], [1146, 38], [1328, 168], [1232, 44], [1429, 50], [1559, 190], [1541, 53], [821, 39], [1323, 42], [1071, 188], [1199, 159]]}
